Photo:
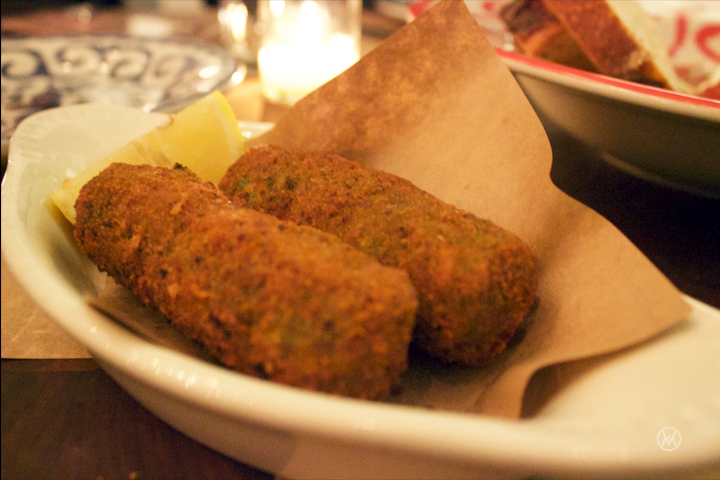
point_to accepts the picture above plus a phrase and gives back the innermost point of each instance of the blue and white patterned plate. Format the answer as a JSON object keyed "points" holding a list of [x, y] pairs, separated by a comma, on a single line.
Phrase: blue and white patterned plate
{"points": [[45, 72]]}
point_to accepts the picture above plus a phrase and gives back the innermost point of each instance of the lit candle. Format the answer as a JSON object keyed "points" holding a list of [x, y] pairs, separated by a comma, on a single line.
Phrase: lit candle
{"points": [[234, 21], [302, 50]]}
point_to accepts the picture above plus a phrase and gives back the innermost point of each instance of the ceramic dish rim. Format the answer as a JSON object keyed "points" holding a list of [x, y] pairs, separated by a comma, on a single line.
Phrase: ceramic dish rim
{"points": [[622, 90]]}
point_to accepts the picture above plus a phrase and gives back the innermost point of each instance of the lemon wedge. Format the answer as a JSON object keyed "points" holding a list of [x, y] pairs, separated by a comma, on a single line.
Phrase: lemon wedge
{"points": [[204, 137]]}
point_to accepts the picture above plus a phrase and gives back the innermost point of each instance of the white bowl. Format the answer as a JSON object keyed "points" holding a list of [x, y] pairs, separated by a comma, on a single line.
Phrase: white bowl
{"points": [[661, 136], [664, 137], [609, 423]]}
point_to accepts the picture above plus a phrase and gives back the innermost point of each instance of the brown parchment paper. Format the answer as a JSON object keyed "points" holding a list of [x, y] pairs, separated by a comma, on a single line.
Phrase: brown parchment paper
{"points": [[435, 104]]}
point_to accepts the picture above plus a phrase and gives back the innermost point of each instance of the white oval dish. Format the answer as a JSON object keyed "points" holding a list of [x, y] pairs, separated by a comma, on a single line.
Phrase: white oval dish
{"points": [[606, 424]]}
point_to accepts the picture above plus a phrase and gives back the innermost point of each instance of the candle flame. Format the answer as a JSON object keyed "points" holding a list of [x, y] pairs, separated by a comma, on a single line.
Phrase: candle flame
{"points": [[277, 7], [310, 28], [302, 51]]}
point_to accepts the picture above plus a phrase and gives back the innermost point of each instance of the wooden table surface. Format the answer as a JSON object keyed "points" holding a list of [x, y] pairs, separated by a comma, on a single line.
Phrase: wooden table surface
{"points": [[68, 419]]}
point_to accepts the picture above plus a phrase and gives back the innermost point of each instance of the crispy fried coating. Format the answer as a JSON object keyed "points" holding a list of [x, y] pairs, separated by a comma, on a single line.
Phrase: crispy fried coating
{"points": [[267, 298], [475, 280]]}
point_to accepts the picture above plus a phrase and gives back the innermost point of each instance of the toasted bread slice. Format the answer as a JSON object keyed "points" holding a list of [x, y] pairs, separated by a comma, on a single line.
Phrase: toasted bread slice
{"points": [[539, 34], [613, 37]]}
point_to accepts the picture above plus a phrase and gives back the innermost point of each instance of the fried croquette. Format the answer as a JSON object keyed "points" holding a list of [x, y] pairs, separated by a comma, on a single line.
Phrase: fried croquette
{"points": [[266, 297], [475, 280]]}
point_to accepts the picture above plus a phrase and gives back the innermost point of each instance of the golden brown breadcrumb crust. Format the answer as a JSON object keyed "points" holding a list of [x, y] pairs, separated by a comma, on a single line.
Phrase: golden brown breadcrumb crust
{"points": [[475, 280], [268, 298]]}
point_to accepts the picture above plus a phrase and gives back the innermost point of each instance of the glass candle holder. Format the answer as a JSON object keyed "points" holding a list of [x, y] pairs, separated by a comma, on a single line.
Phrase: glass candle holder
{"points": [[237, 29], [305, 43]]}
